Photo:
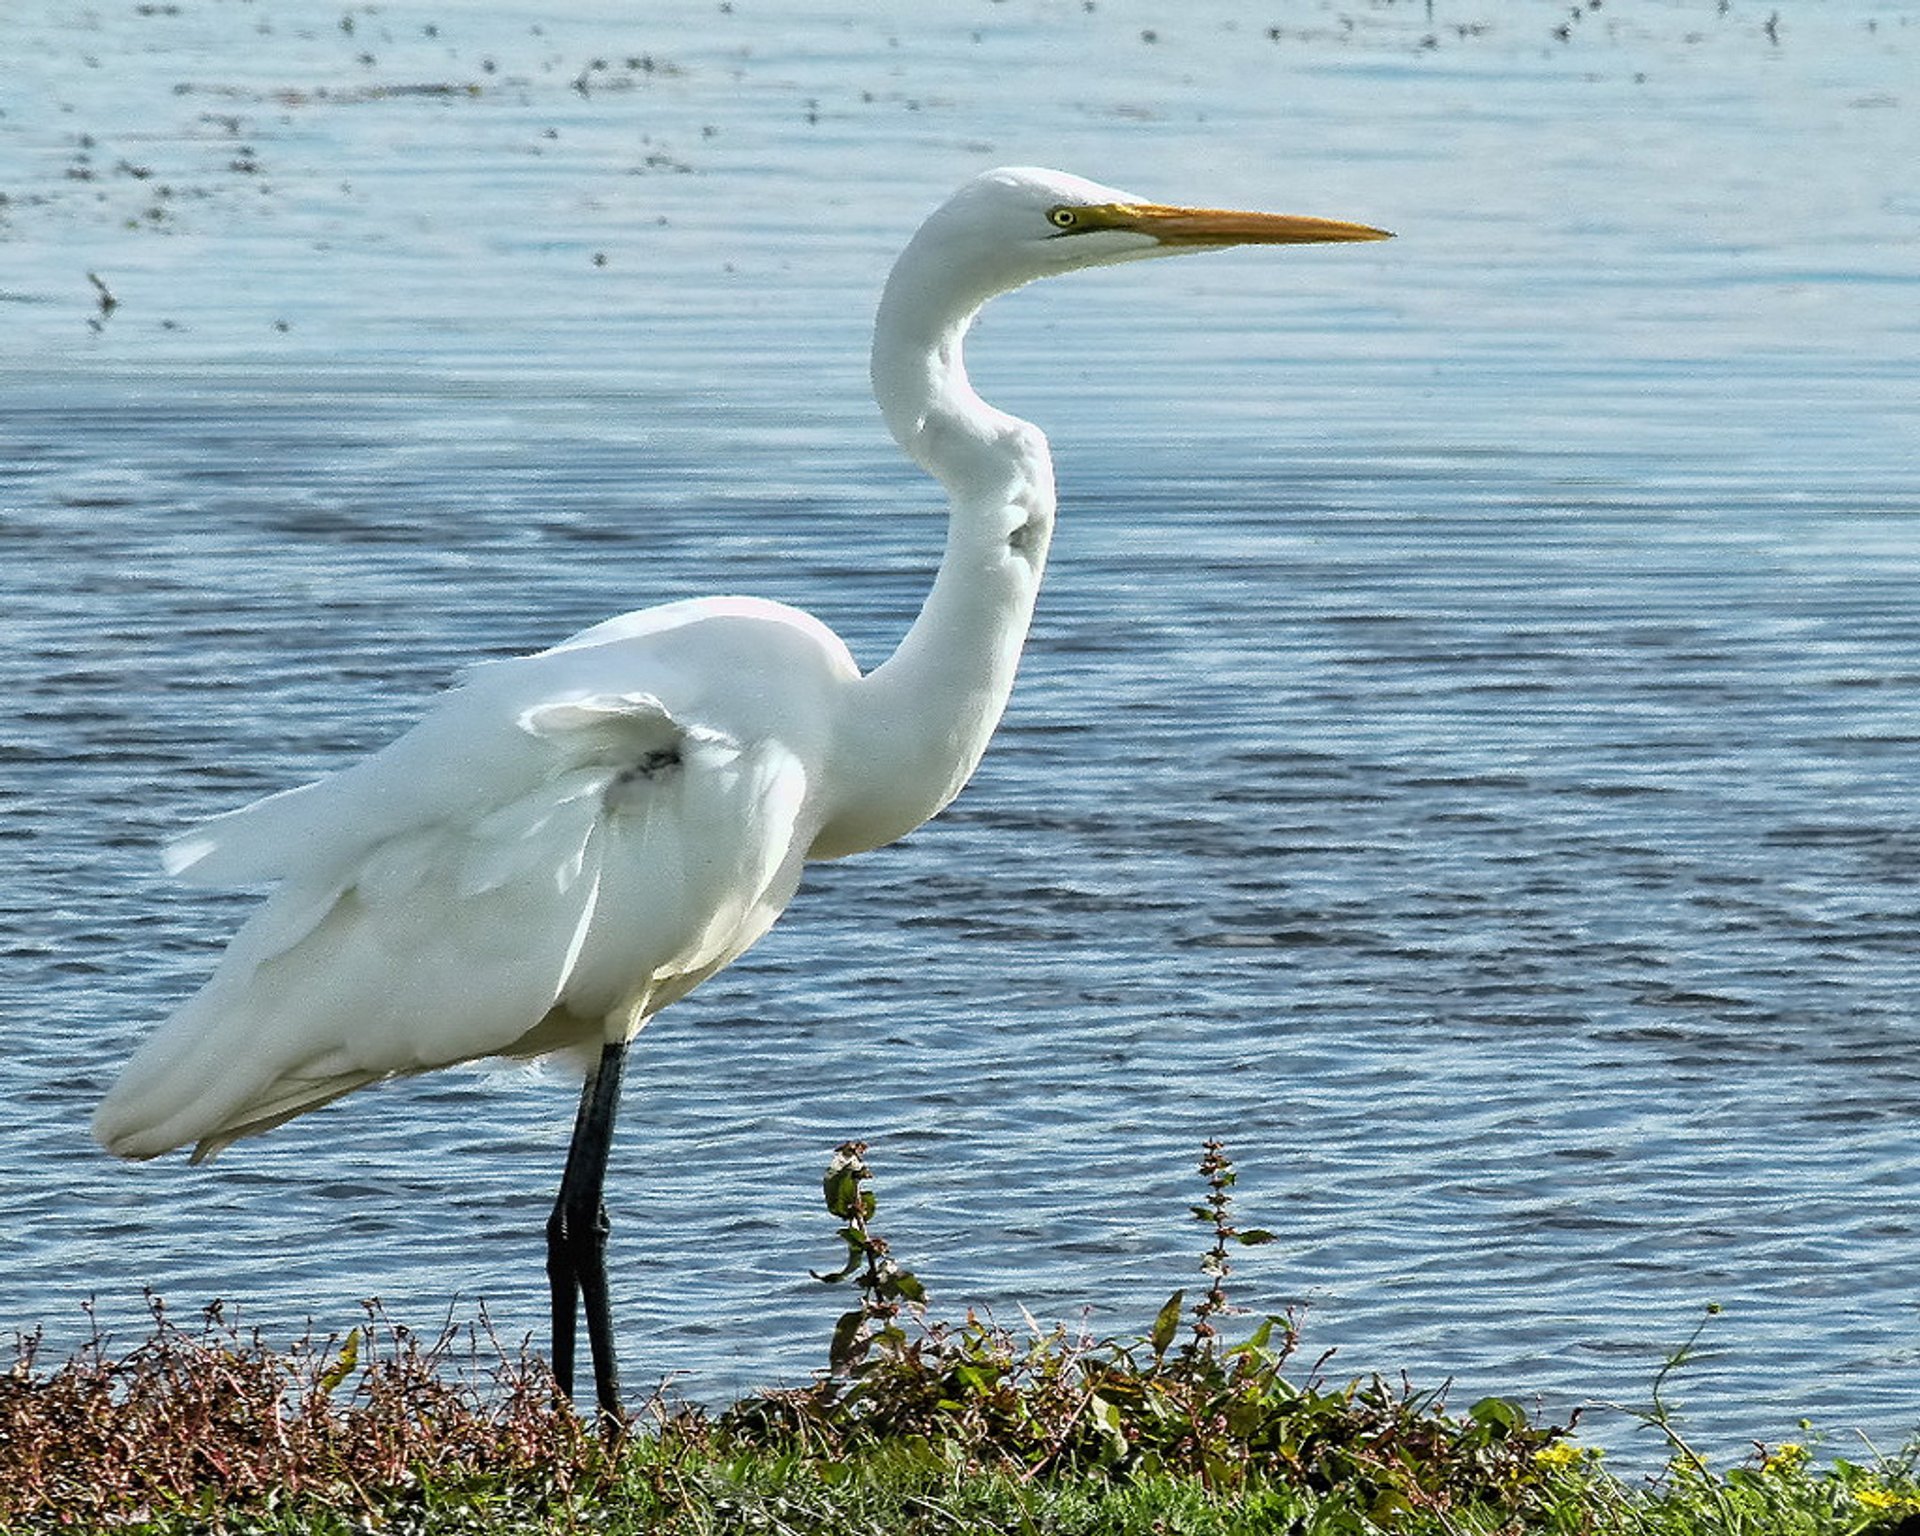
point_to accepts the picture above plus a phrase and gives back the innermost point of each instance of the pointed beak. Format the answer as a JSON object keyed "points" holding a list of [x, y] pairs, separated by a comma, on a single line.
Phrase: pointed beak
{"points": [[1200, 228]]}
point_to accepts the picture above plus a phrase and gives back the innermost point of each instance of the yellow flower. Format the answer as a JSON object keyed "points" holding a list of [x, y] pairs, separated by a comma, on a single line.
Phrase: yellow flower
{"points": [[1877, 1498], [1788, 1456], [1562, 1453]]}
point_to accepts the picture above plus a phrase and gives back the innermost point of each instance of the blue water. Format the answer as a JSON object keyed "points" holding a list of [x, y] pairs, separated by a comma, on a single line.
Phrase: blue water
{"points": [[1465, 758]]}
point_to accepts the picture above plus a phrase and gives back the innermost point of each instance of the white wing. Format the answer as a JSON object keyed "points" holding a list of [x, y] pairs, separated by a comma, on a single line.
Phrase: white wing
{"points": [[534, 864]]}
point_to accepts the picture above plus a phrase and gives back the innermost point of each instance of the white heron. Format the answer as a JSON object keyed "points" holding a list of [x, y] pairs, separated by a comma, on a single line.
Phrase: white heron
{"points": [[569, 841]]}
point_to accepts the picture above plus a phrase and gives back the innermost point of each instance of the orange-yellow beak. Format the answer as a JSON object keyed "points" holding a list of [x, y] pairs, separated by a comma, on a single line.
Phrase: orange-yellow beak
{"points": [[1201, 227]]}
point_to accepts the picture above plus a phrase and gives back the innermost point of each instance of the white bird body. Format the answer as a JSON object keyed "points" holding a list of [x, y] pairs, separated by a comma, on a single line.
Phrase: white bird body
{"points": [[564, 845], [570, 841]]}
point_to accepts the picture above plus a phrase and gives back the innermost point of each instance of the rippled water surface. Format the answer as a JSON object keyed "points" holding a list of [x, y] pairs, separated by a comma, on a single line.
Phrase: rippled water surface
{"points": [[1465, 758]]}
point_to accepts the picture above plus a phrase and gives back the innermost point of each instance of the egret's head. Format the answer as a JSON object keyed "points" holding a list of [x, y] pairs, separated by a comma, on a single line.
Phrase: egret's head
{"points": [[1008, 227], [1012, 225]]}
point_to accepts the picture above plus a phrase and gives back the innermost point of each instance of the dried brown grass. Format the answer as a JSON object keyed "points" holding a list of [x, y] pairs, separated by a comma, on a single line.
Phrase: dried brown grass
{"points": [[210, 1416]]}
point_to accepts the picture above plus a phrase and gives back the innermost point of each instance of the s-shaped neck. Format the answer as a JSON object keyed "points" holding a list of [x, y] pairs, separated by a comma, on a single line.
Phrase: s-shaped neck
{"points": [[920, 721]]}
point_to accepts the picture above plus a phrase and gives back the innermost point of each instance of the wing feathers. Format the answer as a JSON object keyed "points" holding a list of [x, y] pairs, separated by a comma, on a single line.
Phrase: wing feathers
{"points": [[612, 719], [637, 854]]}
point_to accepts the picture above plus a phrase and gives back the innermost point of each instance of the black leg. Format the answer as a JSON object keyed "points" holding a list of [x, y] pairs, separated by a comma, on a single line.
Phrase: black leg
{"points": [[563, 1285], [577, 1240]]}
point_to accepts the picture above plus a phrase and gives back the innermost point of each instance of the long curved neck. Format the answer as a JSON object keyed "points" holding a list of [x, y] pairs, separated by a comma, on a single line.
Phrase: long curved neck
{"points": [[921, 720]]}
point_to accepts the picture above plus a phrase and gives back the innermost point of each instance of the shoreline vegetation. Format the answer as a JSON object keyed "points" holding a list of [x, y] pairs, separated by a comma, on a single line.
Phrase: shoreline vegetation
{"points": [[918, 1425]]}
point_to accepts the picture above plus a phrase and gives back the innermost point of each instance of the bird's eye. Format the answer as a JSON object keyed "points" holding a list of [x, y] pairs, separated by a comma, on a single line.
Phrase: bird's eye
{"points": [[1063, 218]]}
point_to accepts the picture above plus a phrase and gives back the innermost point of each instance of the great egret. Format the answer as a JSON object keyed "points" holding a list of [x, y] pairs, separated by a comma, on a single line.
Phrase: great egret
{"points": [[572, 840]]}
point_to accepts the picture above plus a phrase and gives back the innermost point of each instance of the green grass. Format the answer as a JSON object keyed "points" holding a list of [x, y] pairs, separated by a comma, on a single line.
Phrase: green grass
{"points": [[920, 1426]]}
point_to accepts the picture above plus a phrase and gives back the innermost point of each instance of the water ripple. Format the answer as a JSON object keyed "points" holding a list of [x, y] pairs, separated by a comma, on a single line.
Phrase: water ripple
{"points": [[1465, 755]]}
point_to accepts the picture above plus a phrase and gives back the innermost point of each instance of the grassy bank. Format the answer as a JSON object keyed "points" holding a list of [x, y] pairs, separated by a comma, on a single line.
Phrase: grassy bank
{"points": [[919, 1426]]}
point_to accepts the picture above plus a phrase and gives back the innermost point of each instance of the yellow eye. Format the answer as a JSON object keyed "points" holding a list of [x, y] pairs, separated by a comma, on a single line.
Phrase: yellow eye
{"points": [[1063, 218]]}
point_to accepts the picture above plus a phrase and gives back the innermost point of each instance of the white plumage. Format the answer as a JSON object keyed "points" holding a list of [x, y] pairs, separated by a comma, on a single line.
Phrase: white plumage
{"points": [[568, 842], [550, 856]]}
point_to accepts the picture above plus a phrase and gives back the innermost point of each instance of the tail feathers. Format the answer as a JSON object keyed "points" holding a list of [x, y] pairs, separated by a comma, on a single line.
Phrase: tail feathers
{"points": [[287, 1098], [203, 1094], [445, 945], [212, 1073]]}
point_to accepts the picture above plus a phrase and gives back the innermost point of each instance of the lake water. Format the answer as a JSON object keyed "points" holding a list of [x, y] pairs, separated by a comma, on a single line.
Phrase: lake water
{"points": [[1466, 758]]}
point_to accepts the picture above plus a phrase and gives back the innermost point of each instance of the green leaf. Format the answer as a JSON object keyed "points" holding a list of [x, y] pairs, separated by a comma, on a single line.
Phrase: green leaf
{"points": [[1253, 1237], [343, 1363], [1256, 1341], [905, 1284], [848, 1341], [856, 1254], [974, 1379], [1498, 1413], [842, 1188], [1166, 1323], [1244, 1417], [1108, 1417]]}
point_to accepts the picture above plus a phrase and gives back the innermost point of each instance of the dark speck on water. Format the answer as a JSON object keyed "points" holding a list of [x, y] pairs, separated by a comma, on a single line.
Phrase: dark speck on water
{"points": [[1466, 759]]}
